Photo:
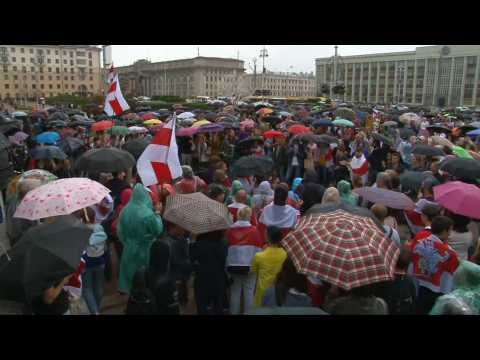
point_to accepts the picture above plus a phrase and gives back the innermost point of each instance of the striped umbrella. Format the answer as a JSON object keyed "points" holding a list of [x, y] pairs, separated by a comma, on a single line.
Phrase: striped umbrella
{"points": [[343, 249]]}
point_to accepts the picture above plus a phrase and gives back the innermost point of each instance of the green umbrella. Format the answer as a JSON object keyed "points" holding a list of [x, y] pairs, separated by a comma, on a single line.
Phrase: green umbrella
{"points": [[118, 130], [343, 122], [461, 152]]}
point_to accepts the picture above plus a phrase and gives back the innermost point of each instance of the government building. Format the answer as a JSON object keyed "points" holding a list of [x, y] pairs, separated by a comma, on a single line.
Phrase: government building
{"points": [[33, 71], [200, 76], [282, 84], [444, 76]]}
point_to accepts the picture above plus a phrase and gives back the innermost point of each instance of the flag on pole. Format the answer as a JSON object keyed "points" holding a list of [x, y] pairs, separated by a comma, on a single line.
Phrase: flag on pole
{"points": [[159, 163], [115, 103], [110, 75]]}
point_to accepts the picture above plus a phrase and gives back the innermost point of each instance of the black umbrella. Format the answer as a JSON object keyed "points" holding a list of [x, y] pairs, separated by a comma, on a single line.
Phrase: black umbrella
{"points": [[44, 256], [48, 152], [81, 118], [466, 128], [105, 160], [71, 145], [412, 180], [4, 143], [36, 115], [427, 151], [440, 129], [252, 165], [56, 124], [406, 133], [136, 147], [321, 122], [58, 116], [248, 142], [306, 137], [462, 168], [272, 119], [382, 138], [326, 139]]}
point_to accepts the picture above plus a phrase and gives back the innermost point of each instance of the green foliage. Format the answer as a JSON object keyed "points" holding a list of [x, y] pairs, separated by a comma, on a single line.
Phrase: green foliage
{"points": [[168, 99], [79, 101]]}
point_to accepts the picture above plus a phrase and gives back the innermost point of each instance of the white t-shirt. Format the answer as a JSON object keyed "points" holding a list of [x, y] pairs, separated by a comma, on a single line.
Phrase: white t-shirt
{"points": [[460, 242]]}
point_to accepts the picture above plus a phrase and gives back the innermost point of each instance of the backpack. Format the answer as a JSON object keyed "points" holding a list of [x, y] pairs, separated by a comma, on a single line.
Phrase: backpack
{"points": [[401, 296], [142, 300]]}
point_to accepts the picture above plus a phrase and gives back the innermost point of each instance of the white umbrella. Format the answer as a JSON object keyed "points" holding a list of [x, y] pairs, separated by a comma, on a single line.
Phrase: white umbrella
{"points": [[186, 115]]}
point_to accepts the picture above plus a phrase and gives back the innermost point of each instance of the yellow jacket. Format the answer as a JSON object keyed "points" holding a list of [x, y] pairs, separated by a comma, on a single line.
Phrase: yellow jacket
{"points": [[267, 264]]}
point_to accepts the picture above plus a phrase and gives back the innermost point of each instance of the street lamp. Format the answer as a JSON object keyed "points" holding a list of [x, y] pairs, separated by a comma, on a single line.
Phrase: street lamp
{"points": [[263, 55], [400, 70]]}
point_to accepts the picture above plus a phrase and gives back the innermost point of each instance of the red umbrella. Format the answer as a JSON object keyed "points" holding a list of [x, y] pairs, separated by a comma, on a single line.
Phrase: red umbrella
{"points": [[102, 125], [298, 129], [148, 116], [271, 134]]}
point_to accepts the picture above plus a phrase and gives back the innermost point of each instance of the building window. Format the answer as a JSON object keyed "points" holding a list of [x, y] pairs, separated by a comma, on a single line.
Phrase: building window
{"points": [[33, 77], [50, 78], [7, 86], [30, 51], [41, 86], [49, 61], [81, 53], [71, 70], [14, 59], [65, 78], [32, 69], [22, 50], [71, 53], [91, 86], [41, 77], [91, 78], [23, 60], [66, 86], [14, 68], [90, 71], [49, 69], [71, 62], [15, 77], [72, 78], [34, 86], [32, 60], [57, 61], [90, 63], [89, 55], [64, 62], [64, 53], [5, 77], [58, 77], [24, 69]]}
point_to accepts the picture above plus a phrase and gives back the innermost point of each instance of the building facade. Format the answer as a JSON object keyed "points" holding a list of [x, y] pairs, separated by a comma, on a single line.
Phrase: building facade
{"points": [[200, 76], [32, 71], [282, 84], [445, 75]]}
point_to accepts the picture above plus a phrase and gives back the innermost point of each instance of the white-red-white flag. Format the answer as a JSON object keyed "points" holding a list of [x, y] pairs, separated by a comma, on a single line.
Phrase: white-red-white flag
{"points": [[159, 162], [115, 103], [111, 75]]}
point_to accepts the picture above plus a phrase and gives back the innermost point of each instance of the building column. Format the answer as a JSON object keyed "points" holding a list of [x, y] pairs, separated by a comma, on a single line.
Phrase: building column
{"points": [[435, 83], [414, 87], [474, 95], [386, 83], [353, 83], [360, 93], [450, 83], [369, 85], [377, 89], [345, 84], [395, 82], [464, 76], [424, 88], [405, 76]]}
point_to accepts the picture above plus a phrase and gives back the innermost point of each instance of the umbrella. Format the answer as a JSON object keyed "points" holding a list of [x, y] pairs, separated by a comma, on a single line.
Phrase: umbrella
{"points": [[439, 129], [461, 152], [474, 133], [60, 197], [137, 130], [18, 138], [211, 128], [229, 125], [298, 129], [468, 169], [389, 198], [426, 150], [187, 131], [4, 143], [284, 113], [322, 122], [383, 138], [44, 255], [459, 197], [343, 249], [136, 147], [252, 165], [466, 129], [49, 137], [152, 122], [201, 123], [196, 213], [118, 130], [271, 119], [406, 133], [249, 123], [407, 118], [102, 125], [105, 160], [38, 114], [390, 123], [412, 180], [48, 152], [265, 111], [304, 137], [210, 116], [186, 115], [438, 140], [345, 113], [56, 124], [149, 116], [19, 114], [326, 139], [475, 124], [271, 134], [343, 122], [71, 145], [61, 116], [43, 175]]}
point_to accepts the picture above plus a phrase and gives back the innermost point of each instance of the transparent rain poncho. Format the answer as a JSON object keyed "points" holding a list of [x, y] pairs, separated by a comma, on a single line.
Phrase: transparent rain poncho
{"points": [[465, 299]]}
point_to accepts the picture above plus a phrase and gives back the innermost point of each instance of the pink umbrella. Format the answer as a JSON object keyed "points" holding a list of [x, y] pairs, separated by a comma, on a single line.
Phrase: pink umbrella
{"points": [[249, 123], [187, 131], [18, 138], [459, 197], [60, 197]]}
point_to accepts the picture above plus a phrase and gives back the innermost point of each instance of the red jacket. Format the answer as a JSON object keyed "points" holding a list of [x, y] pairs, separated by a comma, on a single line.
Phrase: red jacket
{"points": [[243, 243]]}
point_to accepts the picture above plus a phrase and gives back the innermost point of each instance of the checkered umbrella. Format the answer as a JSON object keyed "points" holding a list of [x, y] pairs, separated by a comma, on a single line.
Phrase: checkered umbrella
{"points": [[197, 213], [343, 249]]}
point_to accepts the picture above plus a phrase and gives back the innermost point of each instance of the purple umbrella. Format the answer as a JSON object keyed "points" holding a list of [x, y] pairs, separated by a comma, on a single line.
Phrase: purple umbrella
{"points": [[389, 198], [211, 128], [18, 138], [187, 131]]}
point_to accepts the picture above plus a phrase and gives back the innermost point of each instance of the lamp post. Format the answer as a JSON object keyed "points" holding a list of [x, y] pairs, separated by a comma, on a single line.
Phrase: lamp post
{"points": [[263, 55], [400, 70]]}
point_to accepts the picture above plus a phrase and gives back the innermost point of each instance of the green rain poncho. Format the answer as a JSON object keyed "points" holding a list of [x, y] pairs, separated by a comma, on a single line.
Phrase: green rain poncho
{"points": [[467, 281], [345, 190], [138, 228], [236, 185]]}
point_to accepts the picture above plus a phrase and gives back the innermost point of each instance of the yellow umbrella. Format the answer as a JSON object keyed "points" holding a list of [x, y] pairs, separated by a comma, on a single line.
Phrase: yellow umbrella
{"points": [[201, 123], [152, 122], [264, 111]]}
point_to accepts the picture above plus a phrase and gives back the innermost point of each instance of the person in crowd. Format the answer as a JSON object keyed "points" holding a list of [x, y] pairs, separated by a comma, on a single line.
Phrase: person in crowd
{"points": [[346, 194], [293, 196], [358, 301], [290, 288], [461, 239], [190, 183], [17, 227], [383, 181], [52, 301], [331, 196], [116, 185], [216, 193], [310, 191], [381, 212], [359, 166], [433, 264], [421, 220], [377, 160], [268, 263], [278, 213], [208, 255], [263, 198], [138, 227], [296, 156], [243, 243]]}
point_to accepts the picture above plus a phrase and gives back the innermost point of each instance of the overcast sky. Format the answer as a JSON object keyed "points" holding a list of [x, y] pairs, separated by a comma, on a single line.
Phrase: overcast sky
{"points": [[285, 58]]}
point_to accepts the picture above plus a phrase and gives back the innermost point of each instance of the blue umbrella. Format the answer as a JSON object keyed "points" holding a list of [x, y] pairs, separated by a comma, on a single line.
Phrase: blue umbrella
{"points": [[474, 133], [322, 122], [49, 137], [19, 114], [285, 113]]}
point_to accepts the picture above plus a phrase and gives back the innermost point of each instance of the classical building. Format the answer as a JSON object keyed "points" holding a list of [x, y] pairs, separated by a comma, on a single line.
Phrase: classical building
{"points": [[32, 71], [200, 76], [444, 75], [282, 84]]}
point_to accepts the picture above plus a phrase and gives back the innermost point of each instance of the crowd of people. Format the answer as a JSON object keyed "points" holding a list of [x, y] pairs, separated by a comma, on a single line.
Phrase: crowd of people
{"points": [[300, 164]]}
